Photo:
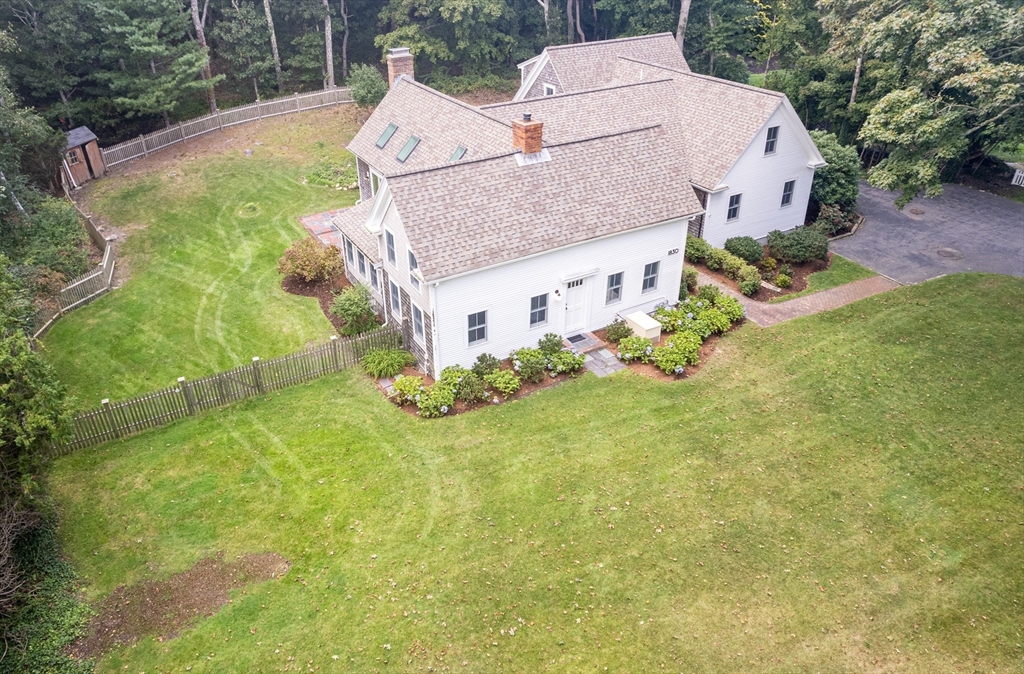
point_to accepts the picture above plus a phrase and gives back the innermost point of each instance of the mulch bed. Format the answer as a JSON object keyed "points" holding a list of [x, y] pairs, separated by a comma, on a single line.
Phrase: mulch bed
{"points": [[323, 291], [707, 349], [800, 274], [165, 608]]}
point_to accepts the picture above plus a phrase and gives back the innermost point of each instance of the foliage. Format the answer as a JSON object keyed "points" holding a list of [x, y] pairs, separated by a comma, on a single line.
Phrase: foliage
{"points": [[310, 260], [745, 247], [504, 381], [749, 280], [769, 264], [838, 183], [831, 220], [803, 244], [386, 362], [618, 330], [550, 344], [407, 390], [689, 281], [730, 307], [464, 385], [732, 265], [368, 87], [708, 293], [327, 173], [486, 364], [353, 306], [697, 249], [457, 85], [716, 258], [716, 320], [529, 363], [783, 281], [840, 272], [243, 40], [566, 361], [687, 316], [680, 350], [436, 401], [635, 349]]}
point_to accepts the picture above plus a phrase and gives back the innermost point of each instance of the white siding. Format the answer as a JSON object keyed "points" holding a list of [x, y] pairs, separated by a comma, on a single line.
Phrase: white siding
{"points": [[505, 291], [760, 179]]}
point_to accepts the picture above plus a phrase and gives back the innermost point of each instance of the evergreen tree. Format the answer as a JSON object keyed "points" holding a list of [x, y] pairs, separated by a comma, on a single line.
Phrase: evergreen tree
{"points": [[242, 40]]}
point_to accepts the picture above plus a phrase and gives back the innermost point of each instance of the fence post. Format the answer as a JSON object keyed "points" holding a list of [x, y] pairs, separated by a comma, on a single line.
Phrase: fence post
{"points": [[181, 133], [258, 114], [334, 353], [298, 107], [257, 377], [145, 152], [186, 392], [220, 125], [109, 414]]}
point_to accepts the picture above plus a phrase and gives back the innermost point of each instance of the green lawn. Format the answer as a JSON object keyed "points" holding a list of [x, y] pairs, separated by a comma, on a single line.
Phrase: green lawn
{"points": [[837, 493], [839, 273], [204, 293]]}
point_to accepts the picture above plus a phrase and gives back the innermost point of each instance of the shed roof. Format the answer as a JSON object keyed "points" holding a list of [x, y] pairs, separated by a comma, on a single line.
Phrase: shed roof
{"points": [[80, 135]]}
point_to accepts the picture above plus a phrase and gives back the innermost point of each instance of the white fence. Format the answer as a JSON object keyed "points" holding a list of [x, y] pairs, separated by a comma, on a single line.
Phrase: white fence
{"points": [[143, 145]]}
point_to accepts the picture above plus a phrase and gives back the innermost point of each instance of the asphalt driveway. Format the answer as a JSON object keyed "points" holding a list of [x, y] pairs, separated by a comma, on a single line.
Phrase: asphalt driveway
{"points": [[961, 230]]}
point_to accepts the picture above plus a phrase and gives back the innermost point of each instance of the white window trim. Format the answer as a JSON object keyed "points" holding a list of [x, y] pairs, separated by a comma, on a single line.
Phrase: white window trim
{"points": [[657, 275], [549, 89], [486, 326], [390, 249], [420, 339], [350, 255], [622, 284], [547, 312], [361, 263], [374, 278], [792, 195], [396, 296], [379, 181], [775, 147], [413, 277], [739, 205]]}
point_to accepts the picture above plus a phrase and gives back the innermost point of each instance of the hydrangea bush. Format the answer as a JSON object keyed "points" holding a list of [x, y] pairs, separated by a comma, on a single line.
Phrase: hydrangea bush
{"points": [[407, 390], [566, 361], [504, 381], [636, 350], [530, 364], [680, 350]]}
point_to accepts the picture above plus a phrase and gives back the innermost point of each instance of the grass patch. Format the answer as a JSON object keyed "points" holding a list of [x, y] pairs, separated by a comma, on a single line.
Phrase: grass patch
{"points": [[838, 491], [839, 273], [204, 237]]}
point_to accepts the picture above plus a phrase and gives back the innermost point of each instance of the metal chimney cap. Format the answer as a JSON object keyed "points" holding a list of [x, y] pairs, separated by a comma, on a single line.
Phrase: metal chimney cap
{"points": [[399, 51], [527, 116]]}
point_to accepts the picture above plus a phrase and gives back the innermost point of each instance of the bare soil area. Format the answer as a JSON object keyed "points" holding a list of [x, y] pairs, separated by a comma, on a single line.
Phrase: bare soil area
{"points": [[800, 274], [164, 608]]}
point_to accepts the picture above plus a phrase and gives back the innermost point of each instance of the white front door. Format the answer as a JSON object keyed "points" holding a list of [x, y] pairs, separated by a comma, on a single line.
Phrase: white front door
{"points": [[575, 306]]}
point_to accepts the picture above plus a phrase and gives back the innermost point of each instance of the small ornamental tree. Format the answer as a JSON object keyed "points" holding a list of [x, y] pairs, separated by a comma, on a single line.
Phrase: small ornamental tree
{"points": [[838, 183], [368, 87]]}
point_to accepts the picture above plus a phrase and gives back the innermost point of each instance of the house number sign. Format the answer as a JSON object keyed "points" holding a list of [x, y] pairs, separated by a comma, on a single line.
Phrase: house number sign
{"points": [[673, 251]]}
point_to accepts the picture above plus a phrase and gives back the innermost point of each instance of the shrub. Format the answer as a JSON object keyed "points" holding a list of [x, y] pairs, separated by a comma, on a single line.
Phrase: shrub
{"points": [[436, 401], [831, 220], [352, 305], [636, 349], [618, 330], [783, 281], [730, 308], [716, 320], [749, 280], [505, 381], [708, 293], [566, 361], [745, 247], [697, 249], [310, 261], [386, 362], [529, 363], [715, 258], [687, 316], [838, 182], [550, 344], [678, 352], [471, 388], [53, 240], [732, 266], [486, 364], [328, 174], [368, 87], [801, 245], [689, 280], [769, 264], [407, 390]]}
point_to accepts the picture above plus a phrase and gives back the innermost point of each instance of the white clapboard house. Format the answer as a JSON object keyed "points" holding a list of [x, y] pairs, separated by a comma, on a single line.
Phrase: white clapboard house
{"points": [[481, 228]]}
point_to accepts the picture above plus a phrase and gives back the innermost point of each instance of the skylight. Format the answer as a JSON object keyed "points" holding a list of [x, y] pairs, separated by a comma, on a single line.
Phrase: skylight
{"points": [[407, 149], [459, 153], [386, 136]]}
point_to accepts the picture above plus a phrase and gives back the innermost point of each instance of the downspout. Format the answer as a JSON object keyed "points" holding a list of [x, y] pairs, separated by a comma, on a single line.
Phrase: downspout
{"points": [[434, 331]]}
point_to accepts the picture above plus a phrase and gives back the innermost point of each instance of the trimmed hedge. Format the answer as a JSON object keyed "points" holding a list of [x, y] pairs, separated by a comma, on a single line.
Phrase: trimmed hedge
{"points": [[745, 247], [803, 244]]}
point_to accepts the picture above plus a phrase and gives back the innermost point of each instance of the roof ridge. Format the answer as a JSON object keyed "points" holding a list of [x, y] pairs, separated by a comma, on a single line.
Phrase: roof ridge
{"points": [[560, 47], [566, 94], [451, 99], [716, 80], [512, 152]]}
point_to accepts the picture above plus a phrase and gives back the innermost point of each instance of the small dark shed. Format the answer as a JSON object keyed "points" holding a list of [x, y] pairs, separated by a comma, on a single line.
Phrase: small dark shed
{"points": [[82, 158]]}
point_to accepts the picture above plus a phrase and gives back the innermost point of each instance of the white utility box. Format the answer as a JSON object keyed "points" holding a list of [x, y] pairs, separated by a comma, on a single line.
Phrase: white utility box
{"points": [[644, 326]]}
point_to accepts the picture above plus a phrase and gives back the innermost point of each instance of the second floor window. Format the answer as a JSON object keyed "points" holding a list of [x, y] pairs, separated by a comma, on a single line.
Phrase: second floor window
{"points": [[771, 140], [787, 192], [734, 207], [413, 266], [390, 239]]}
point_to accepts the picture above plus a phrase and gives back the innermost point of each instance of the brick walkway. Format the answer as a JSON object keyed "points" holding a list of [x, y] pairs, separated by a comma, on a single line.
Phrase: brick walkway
{"points": [[765, 314], [322, 228]]}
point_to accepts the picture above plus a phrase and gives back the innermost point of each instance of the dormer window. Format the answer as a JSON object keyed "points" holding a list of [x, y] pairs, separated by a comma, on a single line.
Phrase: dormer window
{"points": [[549, 89], [386, 136], [407, 149], [413, 266], [772, 140]]}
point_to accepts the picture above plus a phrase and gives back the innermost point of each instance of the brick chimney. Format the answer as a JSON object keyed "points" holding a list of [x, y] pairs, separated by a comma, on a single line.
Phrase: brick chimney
{"points": [[527, 135], [400, 62]]}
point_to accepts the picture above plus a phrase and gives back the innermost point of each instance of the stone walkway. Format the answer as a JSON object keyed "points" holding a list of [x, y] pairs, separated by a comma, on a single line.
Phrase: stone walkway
{"points": [[603, 362], [320, 226], [765, 314]]}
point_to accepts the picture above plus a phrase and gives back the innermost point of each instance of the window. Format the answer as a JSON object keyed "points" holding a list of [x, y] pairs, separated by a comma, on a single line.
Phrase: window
{"points": [[396, 300], [362, 263], [614, 292], [417, 322], [373, 278], [772, 140], [538, 310], [390, 239], [413, 266], [73, 157], [650, 277], [375, 181], [348, 251], [407, 149], [459, 153], [477, 327], [386, 136], [787, 192], [549, 89], [734, 207]]}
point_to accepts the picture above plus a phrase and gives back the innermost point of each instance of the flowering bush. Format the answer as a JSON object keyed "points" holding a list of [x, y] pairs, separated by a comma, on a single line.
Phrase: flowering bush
{"points": [[310, 260], [550, 344], [386, 362], [730, 307], [678, 352], [436, 401], [783, 281], [505, 381], [407, 390], [715, 320], [566, 361], [618, 330], [530, 364], [831, 220], [463, 383], [636, 350]]}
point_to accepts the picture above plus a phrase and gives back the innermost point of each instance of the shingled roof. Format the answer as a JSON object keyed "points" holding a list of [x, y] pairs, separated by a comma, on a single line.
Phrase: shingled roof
{"points": [[478, 214], [352, 223], [592, 64]]}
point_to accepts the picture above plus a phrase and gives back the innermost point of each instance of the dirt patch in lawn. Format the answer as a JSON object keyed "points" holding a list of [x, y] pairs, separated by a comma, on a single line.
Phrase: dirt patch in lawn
{"points": [[323, 291], [800, 274], [165, 608]]}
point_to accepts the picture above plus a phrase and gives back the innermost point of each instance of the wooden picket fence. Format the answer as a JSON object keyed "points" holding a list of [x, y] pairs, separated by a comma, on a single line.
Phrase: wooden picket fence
{"points": [[151, 142], [112, 421]]}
